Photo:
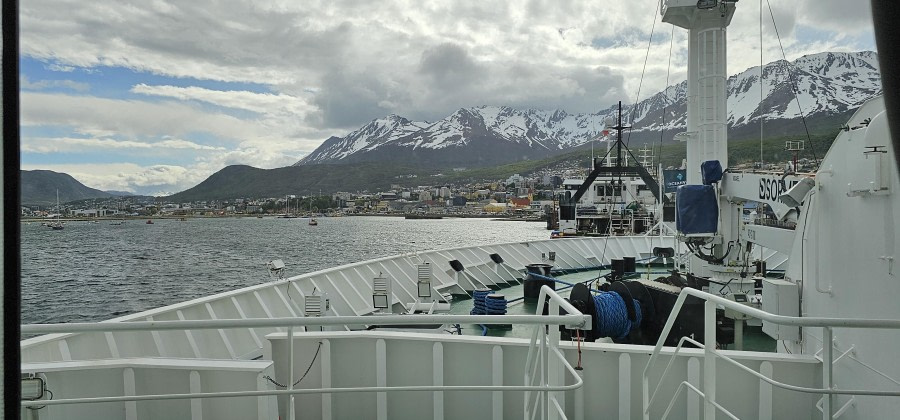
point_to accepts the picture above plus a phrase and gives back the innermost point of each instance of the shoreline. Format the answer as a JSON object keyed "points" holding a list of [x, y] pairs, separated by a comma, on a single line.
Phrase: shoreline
{"points": [[269, 216]]}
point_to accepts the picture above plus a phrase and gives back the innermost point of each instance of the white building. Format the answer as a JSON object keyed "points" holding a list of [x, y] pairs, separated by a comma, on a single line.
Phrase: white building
{"points": [[515, 179]]}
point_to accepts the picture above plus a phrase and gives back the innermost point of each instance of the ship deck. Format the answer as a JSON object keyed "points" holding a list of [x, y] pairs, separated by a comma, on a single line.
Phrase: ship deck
{"points": [[754, 338]]}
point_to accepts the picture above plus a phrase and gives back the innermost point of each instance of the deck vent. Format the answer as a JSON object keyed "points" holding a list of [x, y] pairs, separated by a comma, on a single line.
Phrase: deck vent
{"points": [[381, 292], [313, 306], [424, 280]]}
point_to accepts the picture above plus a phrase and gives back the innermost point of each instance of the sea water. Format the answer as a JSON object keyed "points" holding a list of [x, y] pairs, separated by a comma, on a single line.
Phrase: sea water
{"points": [[96, 271]]}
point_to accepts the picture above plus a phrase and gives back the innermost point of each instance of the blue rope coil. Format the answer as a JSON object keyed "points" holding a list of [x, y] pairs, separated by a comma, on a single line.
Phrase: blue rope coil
{"points": [[612, 315], [495, 305], [478, 300], [611, 311]]}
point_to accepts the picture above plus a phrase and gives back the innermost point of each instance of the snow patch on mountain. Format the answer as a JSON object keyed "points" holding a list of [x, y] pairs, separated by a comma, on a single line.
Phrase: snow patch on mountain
{"points": [[826, 83]]}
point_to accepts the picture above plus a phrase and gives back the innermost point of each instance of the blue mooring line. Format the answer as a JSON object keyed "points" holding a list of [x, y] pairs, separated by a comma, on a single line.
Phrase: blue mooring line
{"points": [[478, 301], [613, 316], [495, 305], [611, 311]]}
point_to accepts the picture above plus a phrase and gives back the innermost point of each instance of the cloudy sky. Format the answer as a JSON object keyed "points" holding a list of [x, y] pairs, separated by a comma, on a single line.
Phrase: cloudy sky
{"points": [[152, 96]]}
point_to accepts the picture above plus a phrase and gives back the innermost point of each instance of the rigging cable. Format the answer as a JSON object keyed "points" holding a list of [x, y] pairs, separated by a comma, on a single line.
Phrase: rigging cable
{"points": [[270, 379], [641, 83], [662, 130], [794, 88]]}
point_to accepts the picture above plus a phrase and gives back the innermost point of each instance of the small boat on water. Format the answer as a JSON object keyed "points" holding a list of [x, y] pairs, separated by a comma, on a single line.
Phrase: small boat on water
{"points": [[149, 222], [312, 215], [57, 225], [422, 216]]}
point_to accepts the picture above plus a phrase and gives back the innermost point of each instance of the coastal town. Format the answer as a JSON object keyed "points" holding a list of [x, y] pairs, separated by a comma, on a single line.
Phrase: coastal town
{"points": [[527, 197], [515, 196]]}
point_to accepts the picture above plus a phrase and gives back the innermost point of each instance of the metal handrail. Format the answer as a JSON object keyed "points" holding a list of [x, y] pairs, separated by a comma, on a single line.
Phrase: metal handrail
{"points": [[574, 319], [571, 321], [710, 353], [686, 384], [672, 362], [541, 345], [804, 389], [228, 394]]}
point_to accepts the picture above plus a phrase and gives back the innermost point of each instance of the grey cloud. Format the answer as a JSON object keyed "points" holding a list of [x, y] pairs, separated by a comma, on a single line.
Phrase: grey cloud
{"points": [[131, 119], [240, 42], [361, 60], [28, 84], [449, 64], [347, 100], [448, 77], [840, 15]]}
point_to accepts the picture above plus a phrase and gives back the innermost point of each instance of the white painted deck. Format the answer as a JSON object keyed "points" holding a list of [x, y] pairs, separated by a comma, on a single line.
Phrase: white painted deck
{"points": [[151, 362], [349, 289]]}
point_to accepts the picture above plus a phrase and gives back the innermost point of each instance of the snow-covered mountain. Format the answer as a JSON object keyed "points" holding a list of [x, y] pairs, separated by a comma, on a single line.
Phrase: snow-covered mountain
{"points": [[828, 85]]}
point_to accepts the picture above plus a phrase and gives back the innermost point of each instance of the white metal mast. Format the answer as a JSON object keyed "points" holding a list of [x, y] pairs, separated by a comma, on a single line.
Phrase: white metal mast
{"points": [[707, 114]]}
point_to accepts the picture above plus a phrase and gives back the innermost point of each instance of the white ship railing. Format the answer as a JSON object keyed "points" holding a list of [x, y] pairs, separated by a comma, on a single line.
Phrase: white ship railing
{"points": [[708, 393], [543, 345], [548, 383]]}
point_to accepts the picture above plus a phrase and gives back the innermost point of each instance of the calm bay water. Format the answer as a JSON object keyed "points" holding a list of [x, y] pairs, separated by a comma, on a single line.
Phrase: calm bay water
{"points": [[96, 271]]}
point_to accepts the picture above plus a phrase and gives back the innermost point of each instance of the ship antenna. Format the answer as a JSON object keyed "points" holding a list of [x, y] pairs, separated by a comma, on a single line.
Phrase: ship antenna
{"points": [[794, 89]]}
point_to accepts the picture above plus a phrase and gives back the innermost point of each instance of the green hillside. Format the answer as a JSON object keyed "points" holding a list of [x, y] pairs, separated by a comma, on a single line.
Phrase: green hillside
{"points": [[246, 181], [39, 188]]}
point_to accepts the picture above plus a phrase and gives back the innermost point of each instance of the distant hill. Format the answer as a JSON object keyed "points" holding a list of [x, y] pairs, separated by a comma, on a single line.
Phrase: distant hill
{"points": [[118, 193], [39, 188], [246, 181]]}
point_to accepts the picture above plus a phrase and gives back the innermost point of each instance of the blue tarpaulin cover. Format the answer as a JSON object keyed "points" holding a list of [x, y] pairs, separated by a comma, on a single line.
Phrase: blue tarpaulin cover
{"points": [[697, 208], [711, 171]]}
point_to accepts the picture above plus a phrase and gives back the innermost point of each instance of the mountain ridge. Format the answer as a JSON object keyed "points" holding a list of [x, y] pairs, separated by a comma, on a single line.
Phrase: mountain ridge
{"points": [[38, 187], [830, 85]]}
